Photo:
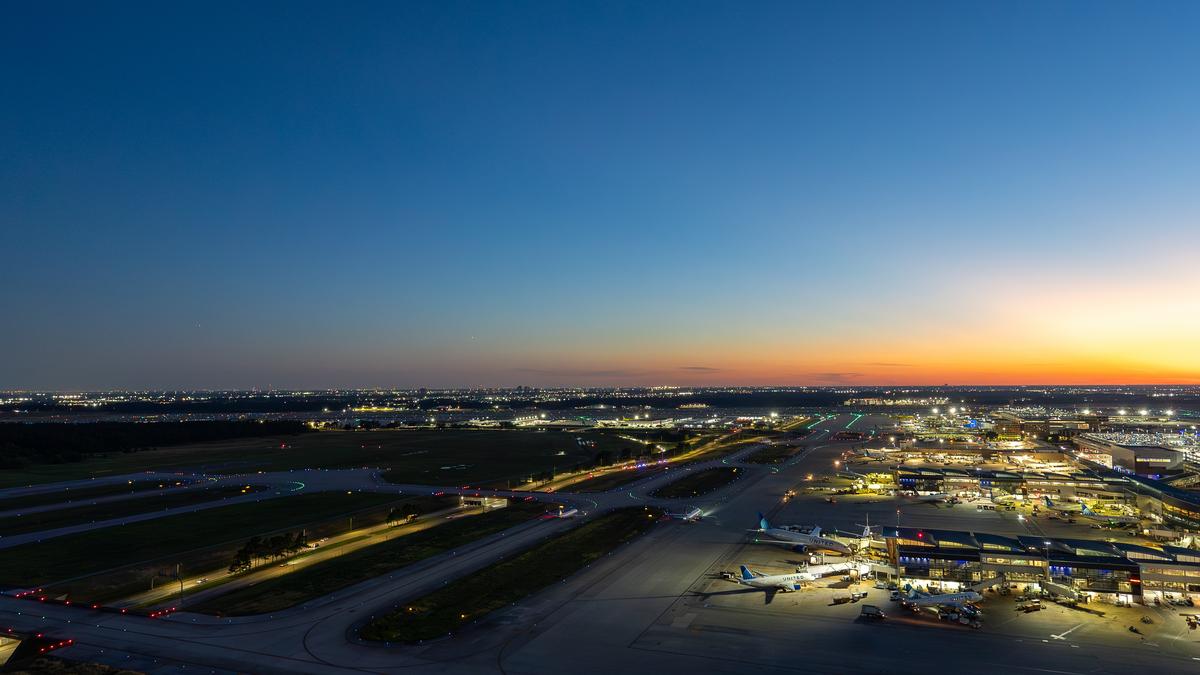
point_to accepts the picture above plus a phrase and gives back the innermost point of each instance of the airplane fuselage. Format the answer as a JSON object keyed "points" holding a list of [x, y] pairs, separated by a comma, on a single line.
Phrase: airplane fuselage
{"points": [[806, 540]]}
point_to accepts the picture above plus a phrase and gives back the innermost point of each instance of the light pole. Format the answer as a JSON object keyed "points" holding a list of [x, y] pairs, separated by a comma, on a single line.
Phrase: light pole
{"points": [[1046, 546], [897, 548]]}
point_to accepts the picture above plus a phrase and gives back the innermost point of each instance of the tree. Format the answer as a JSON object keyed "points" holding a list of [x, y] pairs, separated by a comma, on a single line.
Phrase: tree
{"points": [[241, 561], [409, 512], [255, 549], [278, 545]]}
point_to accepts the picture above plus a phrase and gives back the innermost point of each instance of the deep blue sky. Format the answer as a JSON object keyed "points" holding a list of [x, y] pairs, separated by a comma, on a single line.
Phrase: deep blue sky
{"points": [[344, 194]]}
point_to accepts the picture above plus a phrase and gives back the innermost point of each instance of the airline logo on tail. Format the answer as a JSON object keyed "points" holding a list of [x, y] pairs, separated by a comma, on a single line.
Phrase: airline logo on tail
{"points": [[747, 575], [762, 522], [1086, 510], [1049, 504]]}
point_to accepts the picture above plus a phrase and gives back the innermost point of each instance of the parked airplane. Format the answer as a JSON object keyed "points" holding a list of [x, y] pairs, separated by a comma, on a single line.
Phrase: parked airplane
{"points": [[1061, 508], [773, 582], [920, 599], [799, 540], [868, 455], [1111, 520], [569, 513]]}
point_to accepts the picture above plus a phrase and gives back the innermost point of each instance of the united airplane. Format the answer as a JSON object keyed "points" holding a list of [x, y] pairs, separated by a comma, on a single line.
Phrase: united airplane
{"points": [[798, 539]]}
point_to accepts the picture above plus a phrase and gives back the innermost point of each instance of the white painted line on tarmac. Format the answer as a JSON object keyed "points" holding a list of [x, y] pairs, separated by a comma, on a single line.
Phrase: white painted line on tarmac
{"points": [[1063, 635]]}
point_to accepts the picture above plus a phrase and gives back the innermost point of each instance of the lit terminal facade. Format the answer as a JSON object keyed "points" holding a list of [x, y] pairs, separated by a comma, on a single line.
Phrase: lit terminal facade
{"points": [[1097, 570]]}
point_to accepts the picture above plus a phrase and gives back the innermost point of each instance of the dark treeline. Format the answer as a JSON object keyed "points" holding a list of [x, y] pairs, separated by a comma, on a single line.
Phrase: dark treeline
{"points": [[56, 443], [214, 406]]}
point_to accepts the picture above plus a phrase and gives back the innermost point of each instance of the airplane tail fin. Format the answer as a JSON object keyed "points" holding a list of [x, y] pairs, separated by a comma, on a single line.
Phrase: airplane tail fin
{"points": [[762, 522], [747, 575], [1085, 510], [1049, 504], [816, 531]]}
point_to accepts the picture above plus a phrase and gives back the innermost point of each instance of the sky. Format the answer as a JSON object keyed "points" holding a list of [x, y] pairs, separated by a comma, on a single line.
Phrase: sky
{"points": [[308, 195]]}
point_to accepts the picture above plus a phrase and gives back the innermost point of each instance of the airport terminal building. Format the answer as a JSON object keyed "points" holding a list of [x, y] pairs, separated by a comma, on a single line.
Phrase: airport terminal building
{"points": [[1076, 485], [1098, 571]]}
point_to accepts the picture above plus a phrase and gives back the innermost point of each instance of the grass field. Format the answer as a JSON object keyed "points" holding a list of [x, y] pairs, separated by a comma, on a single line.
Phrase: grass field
{"points": [[612, 479], [471, 598], [97, 550], [367, 563], [88, 513], [66, 495], [773, 454], [698, 483], [433, 456]]}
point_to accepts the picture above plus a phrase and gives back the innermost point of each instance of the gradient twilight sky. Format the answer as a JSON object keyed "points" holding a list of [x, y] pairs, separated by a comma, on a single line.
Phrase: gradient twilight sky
{"points": [[406, 194]]}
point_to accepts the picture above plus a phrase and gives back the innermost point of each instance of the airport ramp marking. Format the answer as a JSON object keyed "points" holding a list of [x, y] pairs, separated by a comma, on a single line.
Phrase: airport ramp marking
{"points": [[1063, 635]]}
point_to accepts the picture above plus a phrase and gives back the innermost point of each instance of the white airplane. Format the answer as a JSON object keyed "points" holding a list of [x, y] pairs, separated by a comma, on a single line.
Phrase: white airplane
{"points": [[790, 535], [773, 582], [868, 455], [1112, 520], [690, 515], [1061, 508], [569, 513], [920, 599]]}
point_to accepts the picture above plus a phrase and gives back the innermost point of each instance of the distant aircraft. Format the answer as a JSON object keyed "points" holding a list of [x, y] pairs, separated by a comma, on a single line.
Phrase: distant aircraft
{"points": [[868, 455], [569, 513], [799, 540], [920, 599], [690, 515]]}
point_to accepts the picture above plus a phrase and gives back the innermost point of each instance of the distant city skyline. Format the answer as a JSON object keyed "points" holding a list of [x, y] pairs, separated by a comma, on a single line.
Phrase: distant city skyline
{"points": [[228, 196]]}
